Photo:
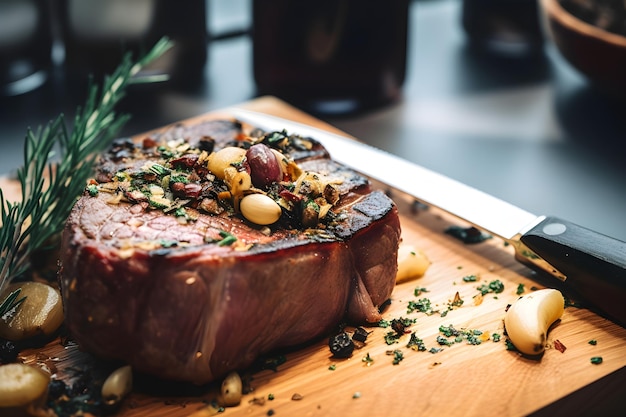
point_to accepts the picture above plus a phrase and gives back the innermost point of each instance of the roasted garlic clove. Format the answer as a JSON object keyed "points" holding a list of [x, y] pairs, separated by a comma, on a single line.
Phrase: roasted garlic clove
{"points": [[528, 319]]}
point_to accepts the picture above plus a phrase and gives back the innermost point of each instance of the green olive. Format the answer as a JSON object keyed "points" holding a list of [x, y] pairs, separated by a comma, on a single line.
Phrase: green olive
{"points": [[41, 313]]}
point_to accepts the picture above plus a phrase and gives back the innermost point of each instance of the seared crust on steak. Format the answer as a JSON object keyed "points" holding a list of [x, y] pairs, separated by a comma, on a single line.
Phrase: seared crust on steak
{"points": [[171, 298]]}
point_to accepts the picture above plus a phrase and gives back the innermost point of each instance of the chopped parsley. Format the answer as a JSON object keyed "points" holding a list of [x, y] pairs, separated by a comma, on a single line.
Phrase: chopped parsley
{"points": [[470, 278], [419, 290], [593, 342], [495, 286], [398, 356], [416, 343], [92, 189], [520, 289], [227, 239], [422, 305], [596, 360], [367, 359]]}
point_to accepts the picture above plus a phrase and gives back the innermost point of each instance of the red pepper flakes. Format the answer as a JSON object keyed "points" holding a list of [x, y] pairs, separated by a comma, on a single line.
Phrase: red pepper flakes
{"points": [[559, 346]]}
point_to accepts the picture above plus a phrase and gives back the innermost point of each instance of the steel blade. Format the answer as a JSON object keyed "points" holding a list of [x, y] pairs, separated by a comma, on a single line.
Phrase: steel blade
{"points": [[480, 209]]}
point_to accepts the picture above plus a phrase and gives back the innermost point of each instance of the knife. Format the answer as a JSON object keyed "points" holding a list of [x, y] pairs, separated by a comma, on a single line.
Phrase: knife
{"points": [[590, 264]]}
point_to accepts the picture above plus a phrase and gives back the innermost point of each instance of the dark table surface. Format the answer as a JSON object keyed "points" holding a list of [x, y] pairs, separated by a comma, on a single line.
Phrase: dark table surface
{"points": [[531, 132]]}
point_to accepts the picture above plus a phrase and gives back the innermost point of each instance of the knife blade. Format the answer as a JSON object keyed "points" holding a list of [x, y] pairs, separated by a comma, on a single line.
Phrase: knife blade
{"points": [[590, 264]]}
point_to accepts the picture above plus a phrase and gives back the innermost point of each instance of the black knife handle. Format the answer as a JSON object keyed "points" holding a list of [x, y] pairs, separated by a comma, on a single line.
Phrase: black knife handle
{"points": [[594, 264]]}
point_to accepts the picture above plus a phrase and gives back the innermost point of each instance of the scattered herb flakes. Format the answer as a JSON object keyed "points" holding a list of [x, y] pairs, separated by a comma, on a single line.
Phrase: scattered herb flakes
{"points": [[434, 350], [227, 239], [448, 331], [92, 189], [270, 412], [470, 278], [422, 305], [443, 341], [391, 338], [593, 342], [356, 395], [397, 354], [399, 327], [510, 345], [368, 360], [495, 286], [559, 346], [416, 343], [596, 360], [332, 367], [384, 323], [270, 397], [468, 235], [419, 290], [520, 289], [496, 337]]}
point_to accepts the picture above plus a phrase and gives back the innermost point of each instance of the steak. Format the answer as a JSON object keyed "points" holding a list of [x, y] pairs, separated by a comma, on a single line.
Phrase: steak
{"points": [[161, 269]]}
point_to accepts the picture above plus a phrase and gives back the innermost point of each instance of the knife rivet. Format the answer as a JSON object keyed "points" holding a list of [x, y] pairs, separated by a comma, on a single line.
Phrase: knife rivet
{"points": [[553, 229]]}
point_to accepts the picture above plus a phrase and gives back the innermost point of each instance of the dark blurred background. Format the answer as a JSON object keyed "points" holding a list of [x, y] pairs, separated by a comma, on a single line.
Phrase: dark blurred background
{"points": [[472, 89]]}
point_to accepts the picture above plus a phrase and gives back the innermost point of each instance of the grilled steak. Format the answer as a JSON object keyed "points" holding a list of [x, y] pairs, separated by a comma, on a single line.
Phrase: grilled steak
{"points": [[162, 267]]}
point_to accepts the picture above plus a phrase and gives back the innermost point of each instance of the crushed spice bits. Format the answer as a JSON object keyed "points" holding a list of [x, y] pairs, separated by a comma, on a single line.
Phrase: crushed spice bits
{"points": [[186, 180]]}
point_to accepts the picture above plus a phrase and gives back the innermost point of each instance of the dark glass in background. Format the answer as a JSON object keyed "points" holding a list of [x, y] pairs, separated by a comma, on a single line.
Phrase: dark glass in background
{"points": [[506, 27], [97, 33], [25, 45], [330, 56]]}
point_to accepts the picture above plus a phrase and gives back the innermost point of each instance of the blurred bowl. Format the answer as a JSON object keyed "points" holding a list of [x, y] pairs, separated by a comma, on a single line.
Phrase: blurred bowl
{"points": [[595, 52]]}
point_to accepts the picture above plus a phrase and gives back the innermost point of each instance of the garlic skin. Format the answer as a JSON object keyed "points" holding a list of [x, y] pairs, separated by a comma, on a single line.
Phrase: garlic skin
{"points": [[528, 319]]}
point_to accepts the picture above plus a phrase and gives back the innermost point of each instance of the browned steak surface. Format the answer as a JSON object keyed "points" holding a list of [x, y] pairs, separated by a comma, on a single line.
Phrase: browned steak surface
{"points": [[186, 288]]}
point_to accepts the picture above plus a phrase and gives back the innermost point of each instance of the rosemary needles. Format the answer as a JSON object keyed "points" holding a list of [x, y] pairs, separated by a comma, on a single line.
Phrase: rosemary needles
{"points": [[57, 164]]}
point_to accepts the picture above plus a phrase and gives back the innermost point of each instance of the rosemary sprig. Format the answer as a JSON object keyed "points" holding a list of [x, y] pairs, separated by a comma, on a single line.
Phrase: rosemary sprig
{"points": [[57, 164], [11, 302]]}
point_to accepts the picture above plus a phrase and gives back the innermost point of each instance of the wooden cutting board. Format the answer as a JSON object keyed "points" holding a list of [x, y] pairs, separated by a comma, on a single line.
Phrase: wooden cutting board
{"points": [[459, 380]]}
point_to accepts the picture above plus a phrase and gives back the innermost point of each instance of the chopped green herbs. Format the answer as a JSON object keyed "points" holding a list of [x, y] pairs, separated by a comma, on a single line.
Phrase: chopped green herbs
{"points": [[495, 286], [398, 356], [470, 278], [422, 305], [367, 359], [520, 289], [593, 342], [419, 290], [596, 360], [92, 189], [227, 239], [416, 343]]}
